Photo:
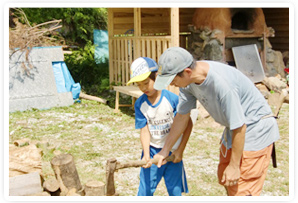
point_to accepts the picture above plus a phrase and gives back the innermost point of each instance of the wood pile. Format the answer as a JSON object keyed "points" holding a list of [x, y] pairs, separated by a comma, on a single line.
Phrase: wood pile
{"points": [[27, 179]]}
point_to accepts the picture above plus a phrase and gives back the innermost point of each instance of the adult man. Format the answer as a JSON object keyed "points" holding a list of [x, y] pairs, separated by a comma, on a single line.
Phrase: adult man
{"points": [[234, 102]]}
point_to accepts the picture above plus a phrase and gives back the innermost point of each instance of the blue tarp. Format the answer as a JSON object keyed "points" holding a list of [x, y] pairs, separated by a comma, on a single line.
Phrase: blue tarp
{"points": [[64, 80], [101, 41]]}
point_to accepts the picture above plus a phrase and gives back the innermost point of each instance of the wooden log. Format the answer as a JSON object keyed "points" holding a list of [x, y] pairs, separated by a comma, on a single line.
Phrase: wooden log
{"points": [[27, 184], [66, 173], [94, 98], [21, 142], [51, 185], [94, 188]]}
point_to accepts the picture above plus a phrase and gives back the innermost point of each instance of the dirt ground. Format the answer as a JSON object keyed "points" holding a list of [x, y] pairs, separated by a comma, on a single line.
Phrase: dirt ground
{"points": [[93, 133]]}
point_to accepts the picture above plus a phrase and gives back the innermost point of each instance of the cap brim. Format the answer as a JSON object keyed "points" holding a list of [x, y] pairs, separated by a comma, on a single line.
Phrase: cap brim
{"points": [[162, 82], [139, 78]]}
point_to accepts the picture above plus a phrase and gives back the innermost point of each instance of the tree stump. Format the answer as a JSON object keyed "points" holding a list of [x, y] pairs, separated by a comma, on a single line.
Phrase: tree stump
{"points": [[94, 188], [66, 173]]}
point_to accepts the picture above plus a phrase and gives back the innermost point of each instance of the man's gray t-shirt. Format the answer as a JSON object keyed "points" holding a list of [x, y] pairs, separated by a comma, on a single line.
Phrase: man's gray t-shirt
{"points": [[232, 100]]}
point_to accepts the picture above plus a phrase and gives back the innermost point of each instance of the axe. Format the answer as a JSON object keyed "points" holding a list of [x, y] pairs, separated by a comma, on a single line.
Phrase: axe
{"points": [[113, 165]]}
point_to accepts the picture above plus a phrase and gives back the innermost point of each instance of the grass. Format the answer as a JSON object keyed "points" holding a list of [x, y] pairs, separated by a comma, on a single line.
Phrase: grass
{"points": [[93, 133]]}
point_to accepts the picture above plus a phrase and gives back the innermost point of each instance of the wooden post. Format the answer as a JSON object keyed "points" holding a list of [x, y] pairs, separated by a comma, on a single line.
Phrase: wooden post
{"points": [[94, 188], [66, 173], [174, 38], [174, 27], [137, 32], [111, 34], [117, 102]]}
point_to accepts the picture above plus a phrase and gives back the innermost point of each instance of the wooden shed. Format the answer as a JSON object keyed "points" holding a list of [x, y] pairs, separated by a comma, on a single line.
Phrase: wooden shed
{"points": [[135, 32]]}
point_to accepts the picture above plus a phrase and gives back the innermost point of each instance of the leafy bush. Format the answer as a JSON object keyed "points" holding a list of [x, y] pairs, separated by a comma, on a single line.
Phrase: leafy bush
{"points": [[94, 78]]}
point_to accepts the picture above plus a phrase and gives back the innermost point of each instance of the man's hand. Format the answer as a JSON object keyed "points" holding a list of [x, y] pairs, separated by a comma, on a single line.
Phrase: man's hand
{"points": [[178, 156], [231, 176], [161, 158]]}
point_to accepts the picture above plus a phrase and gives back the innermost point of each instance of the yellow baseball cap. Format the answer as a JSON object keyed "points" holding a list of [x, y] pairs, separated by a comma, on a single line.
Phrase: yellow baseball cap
{"points": [[141, 68]]}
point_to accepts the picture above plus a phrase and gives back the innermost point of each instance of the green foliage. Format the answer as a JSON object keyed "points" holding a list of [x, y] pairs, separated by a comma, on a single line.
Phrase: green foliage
{"points": [[77, 23], [92, 77]]}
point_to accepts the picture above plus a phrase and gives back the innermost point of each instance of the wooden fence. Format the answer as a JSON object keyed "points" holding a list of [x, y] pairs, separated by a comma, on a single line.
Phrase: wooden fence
{"points": [[126, 49]]}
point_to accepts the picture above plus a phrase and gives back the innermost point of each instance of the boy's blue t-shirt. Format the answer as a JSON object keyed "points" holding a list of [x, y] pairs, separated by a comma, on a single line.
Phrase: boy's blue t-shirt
{"points": [[159, 117]]}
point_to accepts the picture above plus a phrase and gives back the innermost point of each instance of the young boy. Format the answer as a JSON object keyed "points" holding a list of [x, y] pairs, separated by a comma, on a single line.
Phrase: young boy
{"points": [[154, 115]]}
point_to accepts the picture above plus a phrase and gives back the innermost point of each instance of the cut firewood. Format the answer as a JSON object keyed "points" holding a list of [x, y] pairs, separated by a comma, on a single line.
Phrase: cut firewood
{"points": [[21, 142], [94, 188], [51, 185], [66, 173]]}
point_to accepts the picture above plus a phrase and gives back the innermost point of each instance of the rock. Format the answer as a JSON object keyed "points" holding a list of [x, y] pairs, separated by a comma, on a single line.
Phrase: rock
{"points": [[263, 89], [274, 84]]}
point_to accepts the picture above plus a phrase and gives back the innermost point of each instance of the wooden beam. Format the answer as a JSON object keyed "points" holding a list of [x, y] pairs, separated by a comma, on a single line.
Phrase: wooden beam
{"points": [[110, 34], [174, 38], [174, 27], [137, 32]]}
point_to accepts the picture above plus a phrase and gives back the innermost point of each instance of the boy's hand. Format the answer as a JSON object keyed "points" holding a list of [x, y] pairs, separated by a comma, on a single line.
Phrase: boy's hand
{"points": [[148, 164]]}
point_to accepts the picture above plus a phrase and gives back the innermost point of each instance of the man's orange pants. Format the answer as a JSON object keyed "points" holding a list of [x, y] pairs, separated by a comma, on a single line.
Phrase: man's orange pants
{"points": [[253, 170]]}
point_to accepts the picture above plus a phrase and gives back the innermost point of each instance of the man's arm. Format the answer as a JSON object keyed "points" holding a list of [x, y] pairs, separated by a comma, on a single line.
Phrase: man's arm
{"points": [[186, 134], [231, 174], [177, 128]]}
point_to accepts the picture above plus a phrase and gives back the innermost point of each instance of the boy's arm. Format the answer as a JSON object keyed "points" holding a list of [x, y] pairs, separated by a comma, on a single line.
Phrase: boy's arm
{"points": [[179, 152], [177, 128], [145, 141]]}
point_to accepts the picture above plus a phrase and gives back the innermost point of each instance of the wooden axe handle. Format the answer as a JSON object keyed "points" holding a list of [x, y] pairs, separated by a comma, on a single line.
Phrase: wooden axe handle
{"points": [[141, 162]]}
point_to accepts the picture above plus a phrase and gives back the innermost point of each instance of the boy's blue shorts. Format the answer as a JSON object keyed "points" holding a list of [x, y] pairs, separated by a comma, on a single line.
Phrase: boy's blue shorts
{"points": [[173, 173]]}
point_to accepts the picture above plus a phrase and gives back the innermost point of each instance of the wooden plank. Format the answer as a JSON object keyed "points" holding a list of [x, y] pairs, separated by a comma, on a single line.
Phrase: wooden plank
{"points": [[175, 27], [158, 49], [165, 45], [117, 101], [130, 51], [143, 53], [26, 184], [122, 10], [110, 34], [137, 31], [129, 90], [123, 20], [280, 40], [118, 62], [114, 61], [122, 62], [127, 68], [148, 46], [153, 49]]}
